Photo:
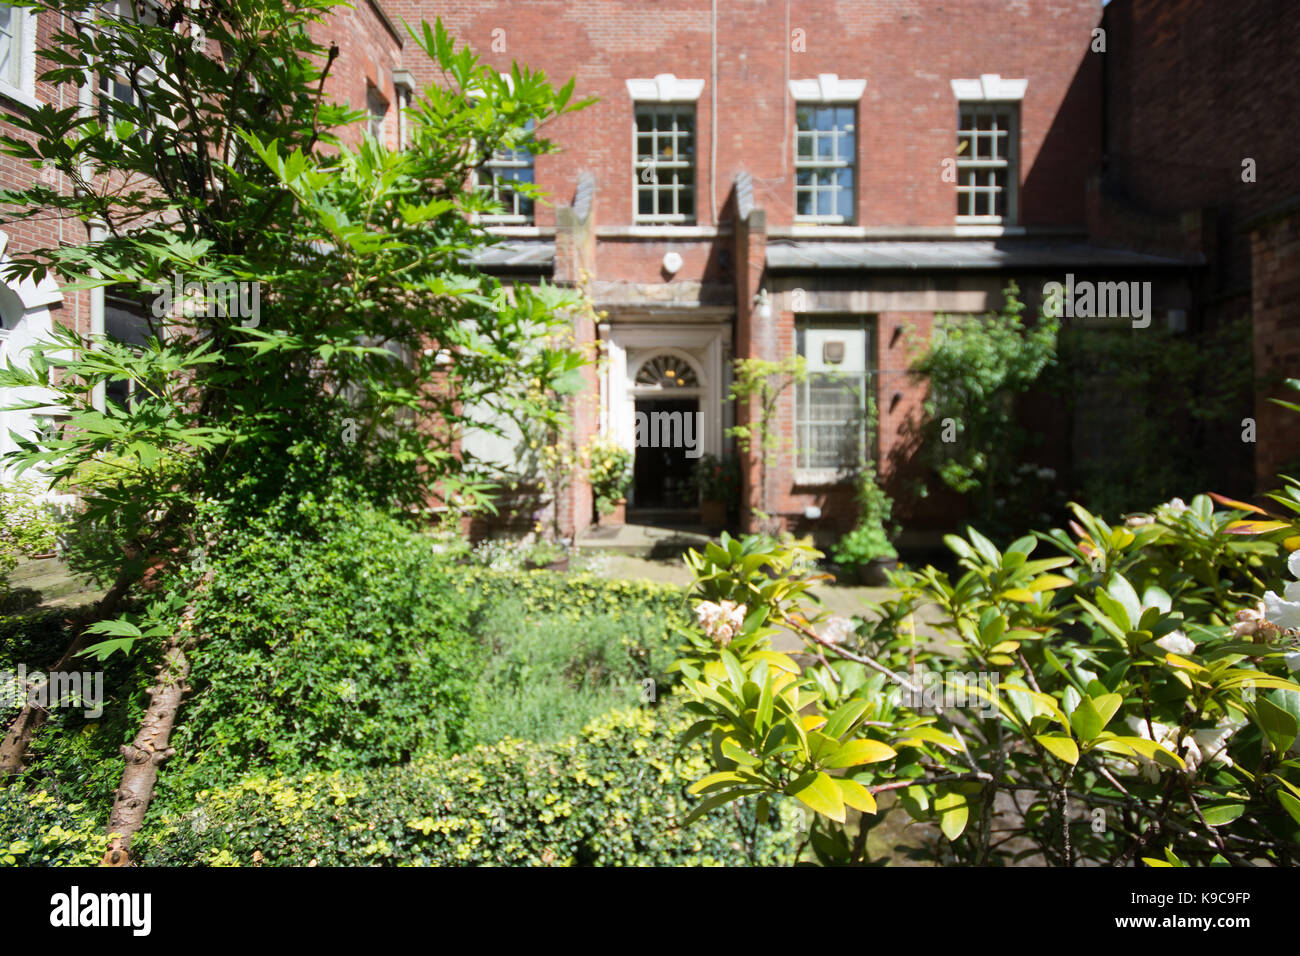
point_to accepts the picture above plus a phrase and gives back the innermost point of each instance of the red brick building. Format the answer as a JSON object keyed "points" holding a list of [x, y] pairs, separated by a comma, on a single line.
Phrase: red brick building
{"points": [[760, 179], [1201, 102]]}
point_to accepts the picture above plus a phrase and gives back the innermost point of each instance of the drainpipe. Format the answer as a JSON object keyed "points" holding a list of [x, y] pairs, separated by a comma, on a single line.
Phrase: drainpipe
{"points": [[713, 125]]}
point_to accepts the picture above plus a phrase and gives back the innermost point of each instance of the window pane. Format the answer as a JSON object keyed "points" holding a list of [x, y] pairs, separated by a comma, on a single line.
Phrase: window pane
{"points": [[665, 144], [10, 53], [847, 147], [845, 195]]}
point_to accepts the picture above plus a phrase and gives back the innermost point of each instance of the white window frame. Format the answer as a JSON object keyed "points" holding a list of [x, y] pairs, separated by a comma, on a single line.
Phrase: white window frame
{"points": [[990, 93], [1006, 160], [404, 89], [24, 90], [821, 165], [827, 90], [808, 474], [667, 90], [376, 122], [646, 172], [512, 201]]}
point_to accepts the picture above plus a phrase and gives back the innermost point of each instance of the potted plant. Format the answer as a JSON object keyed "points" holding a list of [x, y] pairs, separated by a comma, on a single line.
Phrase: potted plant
{"points": [[867, 550], [547, 556], [717, 481], [609, 469]]}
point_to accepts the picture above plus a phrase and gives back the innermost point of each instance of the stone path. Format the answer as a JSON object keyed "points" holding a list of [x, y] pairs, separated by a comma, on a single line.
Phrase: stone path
{"points": [[47, 583]]}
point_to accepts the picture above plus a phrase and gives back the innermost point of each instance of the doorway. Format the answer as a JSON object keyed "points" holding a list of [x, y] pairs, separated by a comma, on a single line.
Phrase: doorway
{"points": [[661, 471]]}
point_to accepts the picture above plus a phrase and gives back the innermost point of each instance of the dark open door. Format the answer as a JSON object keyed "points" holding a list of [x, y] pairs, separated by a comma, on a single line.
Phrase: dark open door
{"points": [[662, 474]]}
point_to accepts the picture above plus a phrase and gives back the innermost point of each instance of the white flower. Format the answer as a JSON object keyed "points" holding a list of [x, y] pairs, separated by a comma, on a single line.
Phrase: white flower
{"points": [[1205, 745], [1176, 642], [837, 629], [1248, 621], [1138, 521], [720, 621], [1284, 611], [1175, 505], [1213, 741]]}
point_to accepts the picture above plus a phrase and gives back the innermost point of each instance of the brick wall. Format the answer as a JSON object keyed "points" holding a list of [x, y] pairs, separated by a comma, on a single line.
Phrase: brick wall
{"points": [[42, 231], [1275, 292], [370, 48], [1194, 88], [907, 50]]}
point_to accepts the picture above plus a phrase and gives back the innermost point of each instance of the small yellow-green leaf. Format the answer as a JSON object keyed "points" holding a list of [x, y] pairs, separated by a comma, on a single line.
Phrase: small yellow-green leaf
{"points": [[860, 751], [818, 791], [1049, 582], [714, 779], [954, 811], [856, 795], [1290, 804], [1060, 747]]}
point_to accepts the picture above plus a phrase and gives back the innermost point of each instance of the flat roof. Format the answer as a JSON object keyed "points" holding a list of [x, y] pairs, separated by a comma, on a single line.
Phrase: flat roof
{"points": [[516, 255], [903, 255]]}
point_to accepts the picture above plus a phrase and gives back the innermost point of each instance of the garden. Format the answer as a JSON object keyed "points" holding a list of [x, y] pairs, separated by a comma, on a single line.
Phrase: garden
{"points": [[300, 660]]}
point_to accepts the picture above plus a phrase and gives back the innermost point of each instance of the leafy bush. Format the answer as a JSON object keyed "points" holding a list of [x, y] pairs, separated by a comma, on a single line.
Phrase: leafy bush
{"points": [[976, 366], [1132, 693], [609, 469], [544, 678], [1128, 390], [344, 645], [717, 479], [573, 596], [28, 524], [607, 797], [337, 638], [27, 527], [869, 539], [38, 830]]}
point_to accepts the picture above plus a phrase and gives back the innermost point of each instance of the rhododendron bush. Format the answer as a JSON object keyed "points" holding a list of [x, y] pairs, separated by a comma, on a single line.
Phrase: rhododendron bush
{"points": [[1107, 694]]}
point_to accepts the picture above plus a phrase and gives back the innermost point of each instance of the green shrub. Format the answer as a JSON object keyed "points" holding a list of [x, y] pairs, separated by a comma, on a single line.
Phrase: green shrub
{"points": [[27, 523], [869, 540], [610, 796], [609, 469], [38, 830], [343, 647], [545, 678], [27, 527], [338, 638], [573, 596]]}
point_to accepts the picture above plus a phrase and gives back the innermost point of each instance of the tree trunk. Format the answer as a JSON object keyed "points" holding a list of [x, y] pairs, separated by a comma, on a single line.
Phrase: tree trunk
{"points": [[13, 749], [151, 745]]}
